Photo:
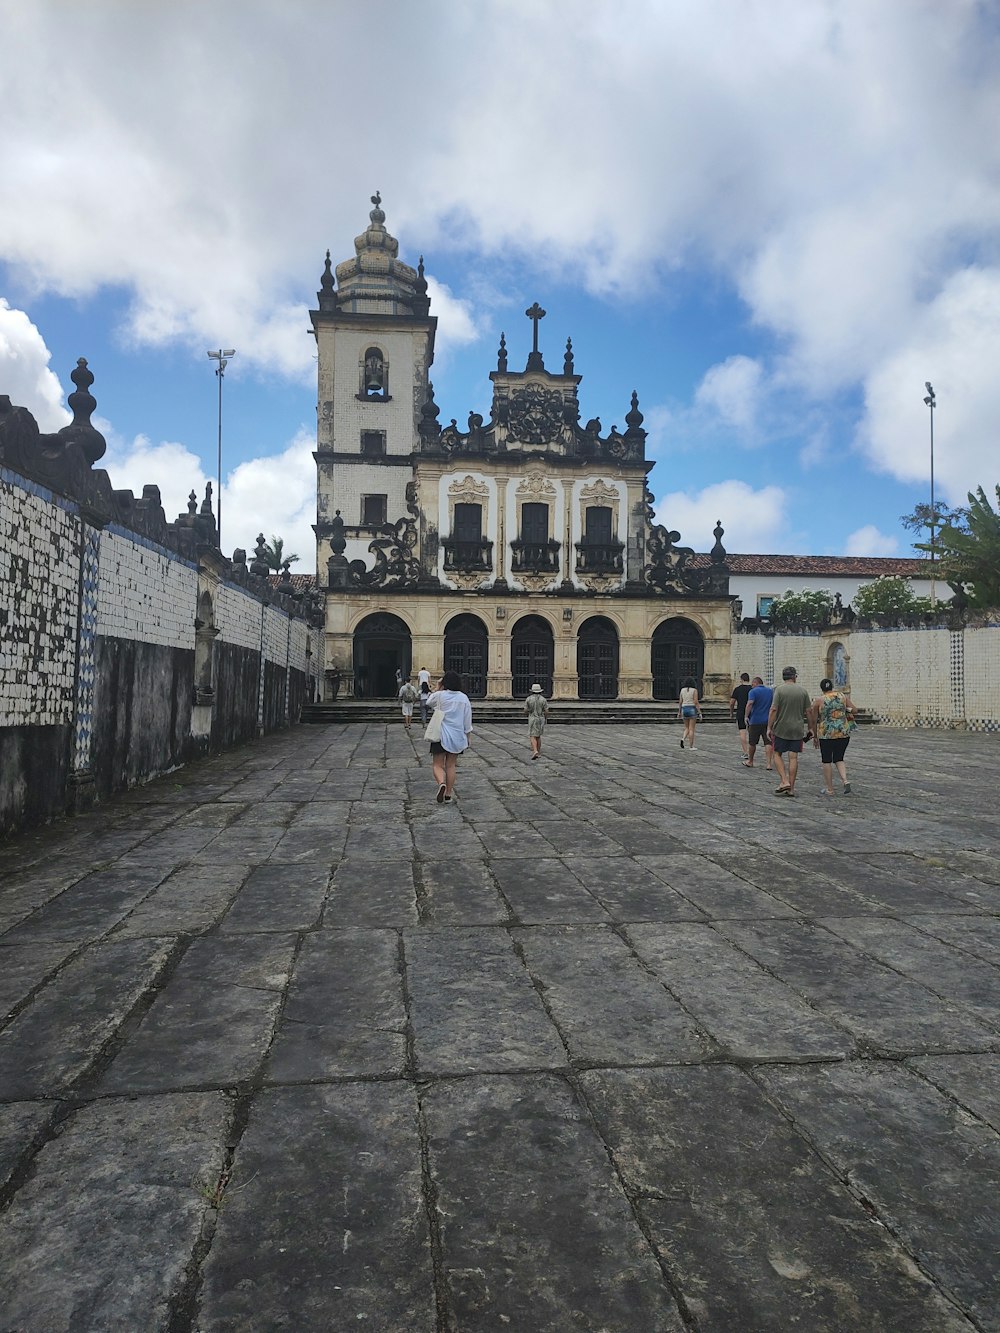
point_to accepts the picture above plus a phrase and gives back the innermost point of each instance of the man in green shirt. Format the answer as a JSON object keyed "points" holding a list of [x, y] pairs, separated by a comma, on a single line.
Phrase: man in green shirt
{"points": [[788, 724]]}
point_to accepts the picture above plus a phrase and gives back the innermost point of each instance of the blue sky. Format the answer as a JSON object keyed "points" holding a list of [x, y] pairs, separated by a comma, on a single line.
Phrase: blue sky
{"points": [[774, 220]]}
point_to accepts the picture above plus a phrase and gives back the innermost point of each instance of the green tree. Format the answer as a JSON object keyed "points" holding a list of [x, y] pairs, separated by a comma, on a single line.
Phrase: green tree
{"points": [[274, 554], [920, 521], [810, 606], [969, 551], [889, 595]]}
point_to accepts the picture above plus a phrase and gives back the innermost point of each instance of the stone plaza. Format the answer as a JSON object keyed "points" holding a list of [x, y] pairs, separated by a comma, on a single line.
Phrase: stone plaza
{"points": [[617, 1041]]}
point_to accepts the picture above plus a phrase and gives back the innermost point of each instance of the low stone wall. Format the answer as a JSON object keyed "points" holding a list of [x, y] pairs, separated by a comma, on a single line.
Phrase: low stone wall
{"points": [[944, 674], [129, 644]]}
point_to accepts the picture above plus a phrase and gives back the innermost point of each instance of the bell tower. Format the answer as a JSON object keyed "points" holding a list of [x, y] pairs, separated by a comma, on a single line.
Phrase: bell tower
{"points": [[375, 341]]}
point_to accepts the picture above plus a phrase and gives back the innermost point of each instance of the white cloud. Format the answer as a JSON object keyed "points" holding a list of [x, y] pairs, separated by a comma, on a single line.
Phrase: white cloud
{"points": [[275, 494], [24, 371], [731, 391], [172, 467], [870, 541], [956, 345], [836, 163], [754, 520]]}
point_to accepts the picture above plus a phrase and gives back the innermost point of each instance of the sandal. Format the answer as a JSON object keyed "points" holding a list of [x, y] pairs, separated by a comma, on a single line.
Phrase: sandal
{"points": [[779, 790], [747, 763]]}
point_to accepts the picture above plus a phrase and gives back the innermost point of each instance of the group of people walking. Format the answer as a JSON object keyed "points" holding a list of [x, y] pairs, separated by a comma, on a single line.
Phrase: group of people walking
{"points": [[780, 720], [785, 719], [451, 722]]}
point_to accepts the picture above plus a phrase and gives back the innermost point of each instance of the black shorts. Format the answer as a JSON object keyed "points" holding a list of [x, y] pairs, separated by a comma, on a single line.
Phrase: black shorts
{"points": [[833, 751], [757, 732], [741, 722]]}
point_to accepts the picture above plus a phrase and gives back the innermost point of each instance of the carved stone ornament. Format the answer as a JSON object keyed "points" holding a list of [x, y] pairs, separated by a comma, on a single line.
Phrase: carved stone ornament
{"points": [[599, 492], [536, 484], [396, 564], [535, 414], [469, 491]]}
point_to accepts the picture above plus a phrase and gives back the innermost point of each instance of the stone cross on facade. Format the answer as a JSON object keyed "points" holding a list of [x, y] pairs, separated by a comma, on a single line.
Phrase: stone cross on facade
{"points": [[535, 313]]}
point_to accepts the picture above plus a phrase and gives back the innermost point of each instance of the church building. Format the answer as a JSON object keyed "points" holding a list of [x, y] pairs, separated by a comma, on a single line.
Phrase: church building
{"points": [[517, 549]]}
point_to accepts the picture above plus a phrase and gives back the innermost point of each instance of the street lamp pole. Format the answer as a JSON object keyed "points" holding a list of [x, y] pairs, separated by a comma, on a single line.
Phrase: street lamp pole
{"points": [[931, 402], [223, 356]]}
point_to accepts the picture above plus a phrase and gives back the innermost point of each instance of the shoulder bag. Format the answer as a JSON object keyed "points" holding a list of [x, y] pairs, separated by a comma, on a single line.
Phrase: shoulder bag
{"points": [[433, 730]]}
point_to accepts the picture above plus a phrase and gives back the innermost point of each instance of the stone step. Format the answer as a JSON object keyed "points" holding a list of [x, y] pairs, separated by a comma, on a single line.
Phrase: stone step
{"points": [[615, 712]]}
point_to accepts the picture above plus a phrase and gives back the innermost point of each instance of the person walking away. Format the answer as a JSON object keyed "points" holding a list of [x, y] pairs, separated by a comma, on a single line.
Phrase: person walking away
{"points": [[788, 723], [424, 686], [738, 708], [537, 707], [758, 708], [832, 719], [689, 708], [456, 727], [407, 697]]}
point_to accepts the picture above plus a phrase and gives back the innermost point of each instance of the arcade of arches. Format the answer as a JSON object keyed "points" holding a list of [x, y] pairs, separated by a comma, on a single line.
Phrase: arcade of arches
{"points": [[501, 652]]}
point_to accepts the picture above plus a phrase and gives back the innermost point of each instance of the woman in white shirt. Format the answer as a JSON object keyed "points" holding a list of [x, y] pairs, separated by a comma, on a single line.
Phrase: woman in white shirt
{"points": [[689, 708], [456, 726]]}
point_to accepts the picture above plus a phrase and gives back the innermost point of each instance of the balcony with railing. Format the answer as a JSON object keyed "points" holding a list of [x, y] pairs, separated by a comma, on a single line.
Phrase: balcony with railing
{"points": [[467, 556], [599, 557], [535, 557]]}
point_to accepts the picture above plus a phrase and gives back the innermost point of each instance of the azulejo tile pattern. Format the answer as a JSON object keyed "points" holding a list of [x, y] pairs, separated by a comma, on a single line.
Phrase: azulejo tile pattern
{"points": [[90, 577]]}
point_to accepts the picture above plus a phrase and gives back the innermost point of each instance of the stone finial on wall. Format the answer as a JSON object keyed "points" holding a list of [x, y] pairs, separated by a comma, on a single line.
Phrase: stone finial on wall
{"points": [[259, 564], [83, 403]]}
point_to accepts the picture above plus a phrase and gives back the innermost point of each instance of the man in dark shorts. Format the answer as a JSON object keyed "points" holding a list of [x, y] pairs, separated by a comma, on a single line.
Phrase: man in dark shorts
{"points": [[758, 708], [738, 705], [788, 722]]}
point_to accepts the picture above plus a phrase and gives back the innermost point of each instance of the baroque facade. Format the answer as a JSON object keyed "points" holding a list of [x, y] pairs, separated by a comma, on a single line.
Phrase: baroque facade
{"points": [[519, 549]]}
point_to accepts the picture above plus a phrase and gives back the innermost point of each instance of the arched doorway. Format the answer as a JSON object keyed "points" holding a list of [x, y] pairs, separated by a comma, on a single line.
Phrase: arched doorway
{"points": [[677, 651], [532, 656], [381, 648], [836, 665], [597, 659], [466, 644]]}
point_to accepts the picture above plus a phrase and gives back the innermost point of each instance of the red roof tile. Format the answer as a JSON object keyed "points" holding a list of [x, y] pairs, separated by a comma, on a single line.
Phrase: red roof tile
{"points": [[822, 566]]}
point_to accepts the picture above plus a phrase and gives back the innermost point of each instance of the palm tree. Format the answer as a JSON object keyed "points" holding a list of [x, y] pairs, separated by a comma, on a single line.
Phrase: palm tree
{"points": [[274, 554]]}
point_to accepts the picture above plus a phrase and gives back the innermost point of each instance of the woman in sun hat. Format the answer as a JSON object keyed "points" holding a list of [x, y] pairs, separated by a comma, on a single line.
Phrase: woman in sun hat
{"points": [[537, 707]]}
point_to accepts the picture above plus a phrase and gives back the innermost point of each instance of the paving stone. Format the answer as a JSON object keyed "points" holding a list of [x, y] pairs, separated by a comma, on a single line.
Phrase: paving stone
{"points": [[460, 892], [892, 1014], [535, 1230], [212, 1023], [373, 894], [21, 1123], [543, 891], [628, 891], [420, 983], [278, 897], [978, 936], [59, 1035], [92, 907], [716, 891], [101, 1234], [639, 1022], [755, 1232], [968, 982], [241, 843], [473, 1006], [189, 902], [23, 967], [872, 1123], [750, 1013], [344, 1015], [568, 837], [511, 840], [973, 1080], [324, 1226]]}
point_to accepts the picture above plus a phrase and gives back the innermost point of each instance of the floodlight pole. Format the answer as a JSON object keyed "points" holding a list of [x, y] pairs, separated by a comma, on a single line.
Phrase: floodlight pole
{"points": [[931, 402], [223, 356]]}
